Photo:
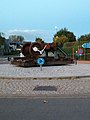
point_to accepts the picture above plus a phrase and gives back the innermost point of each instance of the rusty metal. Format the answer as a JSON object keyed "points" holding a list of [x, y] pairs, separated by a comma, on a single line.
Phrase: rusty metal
{"points": [[35, 50]]}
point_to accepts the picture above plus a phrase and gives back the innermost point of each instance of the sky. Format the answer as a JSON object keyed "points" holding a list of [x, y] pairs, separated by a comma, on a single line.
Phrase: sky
{"points": [[43, 18]]}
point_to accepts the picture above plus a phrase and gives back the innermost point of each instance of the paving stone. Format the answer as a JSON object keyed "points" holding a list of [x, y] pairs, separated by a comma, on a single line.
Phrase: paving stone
{"points": [[25, 88]]}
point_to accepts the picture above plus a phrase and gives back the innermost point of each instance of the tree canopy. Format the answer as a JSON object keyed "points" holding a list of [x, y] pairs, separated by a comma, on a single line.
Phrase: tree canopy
{"points": [[2, 39], [63, 36], [60, 40], [84, 38], [39, 40], [16, 38]]}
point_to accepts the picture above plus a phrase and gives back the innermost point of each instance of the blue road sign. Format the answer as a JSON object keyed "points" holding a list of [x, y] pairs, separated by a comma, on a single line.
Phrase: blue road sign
{"points": [[40, 61], [86, 45]]}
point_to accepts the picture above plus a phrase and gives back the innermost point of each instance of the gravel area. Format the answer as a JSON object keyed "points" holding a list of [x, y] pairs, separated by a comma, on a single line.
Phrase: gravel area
{"points": [[8, 70]]}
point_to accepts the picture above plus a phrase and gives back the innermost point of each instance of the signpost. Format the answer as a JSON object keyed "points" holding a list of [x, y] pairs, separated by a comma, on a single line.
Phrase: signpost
{"points": [[40, 61], [80, 51], [85, 46]]}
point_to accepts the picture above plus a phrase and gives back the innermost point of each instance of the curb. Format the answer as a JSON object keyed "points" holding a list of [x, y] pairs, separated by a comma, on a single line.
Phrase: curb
{"points": [[83, 62], [46, 78]]}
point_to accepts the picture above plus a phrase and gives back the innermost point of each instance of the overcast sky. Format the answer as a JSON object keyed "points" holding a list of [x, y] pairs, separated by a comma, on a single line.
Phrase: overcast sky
{"points": [[38, 18]]}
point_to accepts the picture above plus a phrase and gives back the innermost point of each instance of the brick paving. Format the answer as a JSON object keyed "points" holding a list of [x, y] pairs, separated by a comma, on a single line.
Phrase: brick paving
{"points": [[25, 88], [21, 82]]}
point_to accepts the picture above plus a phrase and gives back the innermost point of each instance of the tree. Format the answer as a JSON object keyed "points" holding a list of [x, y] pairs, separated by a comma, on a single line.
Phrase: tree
{"points": [[2, 39], [16, 38], [39, 40], [85, 38], [2, 34], [20, 38], [69, 35], [60, 40]]}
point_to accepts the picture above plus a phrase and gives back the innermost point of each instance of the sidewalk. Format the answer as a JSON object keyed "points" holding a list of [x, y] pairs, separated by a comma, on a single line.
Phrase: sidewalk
{"points": [[49, 72], [83, 61]]}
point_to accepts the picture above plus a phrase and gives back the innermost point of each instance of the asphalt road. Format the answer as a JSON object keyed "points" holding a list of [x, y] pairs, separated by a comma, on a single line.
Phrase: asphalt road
{"points": [[45, 109]]}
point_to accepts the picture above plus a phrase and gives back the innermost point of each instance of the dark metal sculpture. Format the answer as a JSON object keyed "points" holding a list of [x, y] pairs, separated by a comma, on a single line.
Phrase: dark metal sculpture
{"points": [[50, 52]]}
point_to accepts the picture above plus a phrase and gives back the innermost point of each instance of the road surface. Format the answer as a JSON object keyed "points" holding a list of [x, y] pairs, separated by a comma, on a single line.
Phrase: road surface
{"points": [[45, 109]]}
